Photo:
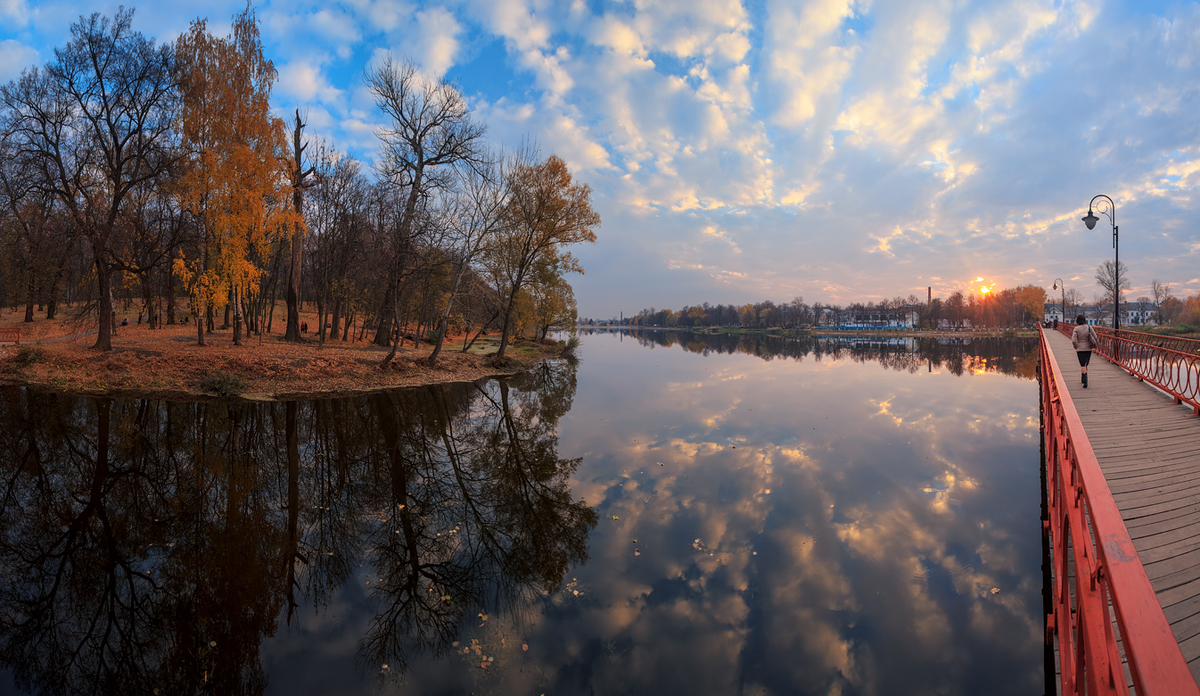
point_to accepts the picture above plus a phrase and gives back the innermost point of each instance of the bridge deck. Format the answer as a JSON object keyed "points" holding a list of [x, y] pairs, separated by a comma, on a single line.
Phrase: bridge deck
{"points": [[1149, 449]]}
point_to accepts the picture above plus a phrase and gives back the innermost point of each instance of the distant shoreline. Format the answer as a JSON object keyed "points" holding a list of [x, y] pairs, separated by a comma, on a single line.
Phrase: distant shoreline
{"points": [[822, 331]]}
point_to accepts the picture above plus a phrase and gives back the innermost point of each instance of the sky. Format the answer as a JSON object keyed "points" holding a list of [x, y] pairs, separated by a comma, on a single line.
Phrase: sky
{"points": [[831, 150]]}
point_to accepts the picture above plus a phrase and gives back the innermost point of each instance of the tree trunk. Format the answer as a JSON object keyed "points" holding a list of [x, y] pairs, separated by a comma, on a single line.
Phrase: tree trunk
{"points": [[395, 341], [387, 315], [298, 176], [147, 299], [235, 300], [107, 316], [200, 325], [443, 324], [320, 320], [170, 296], [482, 327], [512, 300], [335, 322]]}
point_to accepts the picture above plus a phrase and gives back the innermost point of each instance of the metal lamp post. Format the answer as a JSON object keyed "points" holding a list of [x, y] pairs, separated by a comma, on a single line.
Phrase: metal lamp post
{"points": [[1108, 209], [1062, 308]]}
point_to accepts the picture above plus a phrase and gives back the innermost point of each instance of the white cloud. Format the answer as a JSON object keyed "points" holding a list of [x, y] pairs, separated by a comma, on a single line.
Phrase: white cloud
{"points": [[437, 39], [807, 56], [306, 83], [15, 57], [14, 12]]}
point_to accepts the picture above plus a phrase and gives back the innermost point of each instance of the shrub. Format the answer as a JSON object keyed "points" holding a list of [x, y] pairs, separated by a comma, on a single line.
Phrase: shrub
{"points": [[29, 355], [222, 384], [571, 345]]}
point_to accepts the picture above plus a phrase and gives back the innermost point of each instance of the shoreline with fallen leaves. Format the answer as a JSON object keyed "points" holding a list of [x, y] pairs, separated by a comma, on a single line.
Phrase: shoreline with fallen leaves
{"points": [[167, 363]]}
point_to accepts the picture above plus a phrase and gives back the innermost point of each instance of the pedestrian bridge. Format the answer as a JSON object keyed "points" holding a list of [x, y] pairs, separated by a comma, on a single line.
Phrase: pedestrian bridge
{"points": [[1123, 513]]}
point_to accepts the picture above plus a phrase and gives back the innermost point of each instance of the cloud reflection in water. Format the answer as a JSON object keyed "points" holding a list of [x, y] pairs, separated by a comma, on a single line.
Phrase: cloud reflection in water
{"points": [[898, 499]]}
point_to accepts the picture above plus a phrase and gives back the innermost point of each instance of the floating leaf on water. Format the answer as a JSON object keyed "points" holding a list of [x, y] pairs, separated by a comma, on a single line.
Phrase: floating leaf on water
{"points": [[754, 553], [615, 517], [525, 647], [575, 592], [454, 644], [995, 590], [636, 552], [212, 644]]}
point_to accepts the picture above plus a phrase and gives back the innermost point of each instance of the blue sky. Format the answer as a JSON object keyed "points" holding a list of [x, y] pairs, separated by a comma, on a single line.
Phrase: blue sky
{"points": [[739, 151]]}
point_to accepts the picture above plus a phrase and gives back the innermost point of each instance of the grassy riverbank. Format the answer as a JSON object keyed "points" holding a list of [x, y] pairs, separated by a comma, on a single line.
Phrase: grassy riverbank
{"points": [[167, 363]]}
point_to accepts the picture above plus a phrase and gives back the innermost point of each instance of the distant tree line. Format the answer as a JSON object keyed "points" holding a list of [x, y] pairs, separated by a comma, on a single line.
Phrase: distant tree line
{"points": [[142, 173], [998, 308], [957, 355]]}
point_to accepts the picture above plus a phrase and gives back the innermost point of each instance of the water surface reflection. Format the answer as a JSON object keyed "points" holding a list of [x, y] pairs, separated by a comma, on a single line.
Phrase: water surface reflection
{"points": [[695, 521]]}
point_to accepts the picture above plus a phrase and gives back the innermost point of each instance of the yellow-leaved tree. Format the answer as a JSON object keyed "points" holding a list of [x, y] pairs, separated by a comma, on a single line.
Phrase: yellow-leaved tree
{"points": [[235, 181]]}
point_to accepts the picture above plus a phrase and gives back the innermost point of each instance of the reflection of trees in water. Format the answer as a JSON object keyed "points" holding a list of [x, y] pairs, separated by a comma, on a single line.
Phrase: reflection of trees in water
{"points": [[1010, 356], [154, 545]]}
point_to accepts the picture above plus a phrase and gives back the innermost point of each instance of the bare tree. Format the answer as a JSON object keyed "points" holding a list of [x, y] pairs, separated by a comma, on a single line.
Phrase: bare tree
{"points": [[471, 220], [1073, 298], [95, 124], [1114, 280], [430, 130], [1161, 293], [299, 175]]}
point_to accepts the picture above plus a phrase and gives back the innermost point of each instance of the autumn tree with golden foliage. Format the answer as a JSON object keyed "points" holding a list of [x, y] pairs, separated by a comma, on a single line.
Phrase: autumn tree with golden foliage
{"points": [[236, 182], [545, 213]]}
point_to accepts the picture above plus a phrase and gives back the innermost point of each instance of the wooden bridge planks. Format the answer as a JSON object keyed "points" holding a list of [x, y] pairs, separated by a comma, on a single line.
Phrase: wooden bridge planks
{"points": [[1149, 449]]}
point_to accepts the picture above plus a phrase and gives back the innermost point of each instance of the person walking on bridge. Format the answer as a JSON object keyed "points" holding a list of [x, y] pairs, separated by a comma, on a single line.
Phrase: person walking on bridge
{"points": [[1085, 341]]}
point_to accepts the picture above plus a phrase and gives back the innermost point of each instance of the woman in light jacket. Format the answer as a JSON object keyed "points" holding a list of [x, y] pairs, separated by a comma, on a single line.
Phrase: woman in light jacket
{"points": [[1084, 339]]}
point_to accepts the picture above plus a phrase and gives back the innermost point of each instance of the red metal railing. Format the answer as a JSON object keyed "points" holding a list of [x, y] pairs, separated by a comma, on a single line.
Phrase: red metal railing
{"points": [[1172, 364], [12, 336], [1085, 523], [1190, 346]]}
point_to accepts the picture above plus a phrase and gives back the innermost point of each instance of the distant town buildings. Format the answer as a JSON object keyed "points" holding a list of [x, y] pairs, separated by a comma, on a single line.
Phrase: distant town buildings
{"points": [[1142, 312]]}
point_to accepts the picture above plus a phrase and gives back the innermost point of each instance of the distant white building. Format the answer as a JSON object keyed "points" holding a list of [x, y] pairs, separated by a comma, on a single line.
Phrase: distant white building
{"points": [[1053, 311], [1140, 313]]}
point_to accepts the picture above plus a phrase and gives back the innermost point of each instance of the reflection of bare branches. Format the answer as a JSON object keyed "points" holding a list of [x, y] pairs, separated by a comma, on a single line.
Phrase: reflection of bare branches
{"points": [[154, 545], [485, 518], [1010, 356]]}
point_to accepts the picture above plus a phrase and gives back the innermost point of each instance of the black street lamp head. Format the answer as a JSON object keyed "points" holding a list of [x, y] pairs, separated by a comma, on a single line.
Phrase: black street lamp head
{"points": [[1055, 286], [1090, 219]]}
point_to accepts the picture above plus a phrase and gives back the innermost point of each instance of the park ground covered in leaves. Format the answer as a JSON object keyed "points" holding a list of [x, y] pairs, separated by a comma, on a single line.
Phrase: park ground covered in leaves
{"points": [[167, 361]]}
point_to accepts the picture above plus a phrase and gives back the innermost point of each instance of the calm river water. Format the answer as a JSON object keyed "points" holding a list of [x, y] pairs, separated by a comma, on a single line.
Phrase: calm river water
{"points": [[674, 514]]}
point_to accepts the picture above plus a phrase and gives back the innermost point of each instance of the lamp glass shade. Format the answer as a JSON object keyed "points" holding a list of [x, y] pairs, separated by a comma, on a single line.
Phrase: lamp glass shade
{"points": [[1090, 220]]}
